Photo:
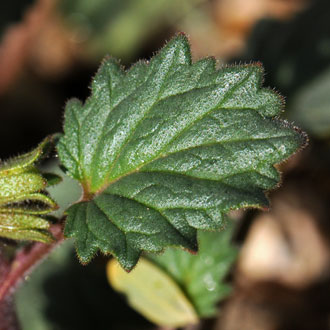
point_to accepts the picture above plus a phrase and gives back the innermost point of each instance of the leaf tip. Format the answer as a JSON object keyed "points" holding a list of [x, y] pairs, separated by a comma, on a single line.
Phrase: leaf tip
{"points": [[193, 251], [84, 257]]}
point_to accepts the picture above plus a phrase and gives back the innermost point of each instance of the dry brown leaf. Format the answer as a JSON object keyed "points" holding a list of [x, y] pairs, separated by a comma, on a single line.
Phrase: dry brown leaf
{"points": [[39, 41]]}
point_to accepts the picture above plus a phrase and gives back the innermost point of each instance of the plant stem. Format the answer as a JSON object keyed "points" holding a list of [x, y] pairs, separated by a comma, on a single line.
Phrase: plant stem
{"points": [[25, 260], [8, 319]]}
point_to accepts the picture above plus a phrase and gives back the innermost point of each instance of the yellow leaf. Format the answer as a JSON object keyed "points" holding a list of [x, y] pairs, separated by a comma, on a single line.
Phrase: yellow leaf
{"points": [[153, 293]]}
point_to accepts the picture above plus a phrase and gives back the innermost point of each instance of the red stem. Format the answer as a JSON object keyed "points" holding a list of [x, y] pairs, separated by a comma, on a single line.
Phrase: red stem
{"points": [[25, 260], [8, 318]]}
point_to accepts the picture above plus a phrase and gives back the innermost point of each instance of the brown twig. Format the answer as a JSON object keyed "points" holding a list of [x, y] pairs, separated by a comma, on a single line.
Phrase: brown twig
{"points": [[25, 260]]}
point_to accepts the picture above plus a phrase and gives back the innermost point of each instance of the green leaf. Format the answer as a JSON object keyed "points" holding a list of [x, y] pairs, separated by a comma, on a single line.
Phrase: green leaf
{"points": [[24, 227], [201, 276], [160, 299], [169, 147], [14, 186], [52, 179], [175, 276], [22, 199], [21, 163]]}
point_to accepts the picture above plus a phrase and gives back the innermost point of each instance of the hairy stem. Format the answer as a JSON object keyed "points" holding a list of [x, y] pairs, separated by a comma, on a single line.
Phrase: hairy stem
{"points": [[25, 260], [8, 319]]}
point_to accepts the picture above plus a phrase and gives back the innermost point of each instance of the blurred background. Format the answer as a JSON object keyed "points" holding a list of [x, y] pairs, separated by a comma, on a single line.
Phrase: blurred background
{"points": [[50, 49]]}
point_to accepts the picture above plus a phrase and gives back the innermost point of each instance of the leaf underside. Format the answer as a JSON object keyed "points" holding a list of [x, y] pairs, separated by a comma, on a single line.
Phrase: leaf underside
{"points": [[168, 147]]}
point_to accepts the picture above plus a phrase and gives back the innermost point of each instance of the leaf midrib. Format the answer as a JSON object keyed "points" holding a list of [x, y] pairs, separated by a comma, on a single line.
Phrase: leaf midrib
{"points": [[158, 99], [159, 155], [136, 170], [137, 124]]}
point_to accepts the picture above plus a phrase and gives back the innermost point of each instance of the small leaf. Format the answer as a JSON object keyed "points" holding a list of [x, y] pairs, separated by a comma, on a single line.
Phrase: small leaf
{"points": [[35, 203], [201, 276], [42, 236], [22, 200], [52, 179], [158, 298], [15, 186], [24, 227], [20, 163], [169, 147]]}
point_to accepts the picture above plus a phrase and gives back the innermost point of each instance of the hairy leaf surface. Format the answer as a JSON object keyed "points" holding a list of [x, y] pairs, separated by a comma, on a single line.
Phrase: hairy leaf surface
{"points": [[167, 148], [22, 199]]}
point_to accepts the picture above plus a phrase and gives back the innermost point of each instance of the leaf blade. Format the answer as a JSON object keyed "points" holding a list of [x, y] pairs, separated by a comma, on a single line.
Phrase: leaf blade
{"points": [[182, 141], [23, 201]]}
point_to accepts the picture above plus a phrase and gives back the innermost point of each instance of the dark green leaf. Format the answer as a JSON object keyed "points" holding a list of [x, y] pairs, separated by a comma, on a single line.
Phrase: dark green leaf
{"points": [[168, 147]]}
